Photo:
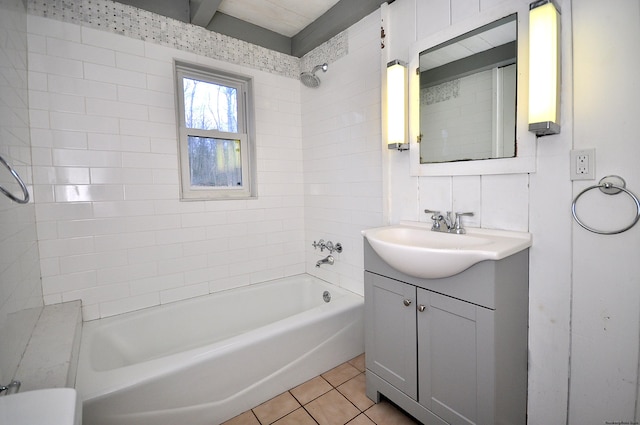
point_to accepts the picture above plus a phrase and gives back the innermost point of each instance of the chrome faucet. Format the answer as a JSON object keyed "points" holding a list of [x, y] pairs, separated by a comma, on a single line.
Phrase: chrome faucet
{"points": [[327, 260], [446, 223]]}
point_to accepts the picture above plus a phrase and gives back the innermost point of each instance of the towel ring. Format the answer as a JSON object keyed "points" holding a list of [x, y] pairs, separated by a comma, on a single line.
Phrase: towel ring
{"points": [[20, 182], [609, 185]]}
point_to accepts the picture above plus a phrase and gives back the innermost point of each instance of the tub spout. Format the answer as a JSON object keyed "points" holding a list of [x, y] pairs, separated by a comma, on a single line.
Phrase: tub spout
{"points": [[327, 260]]}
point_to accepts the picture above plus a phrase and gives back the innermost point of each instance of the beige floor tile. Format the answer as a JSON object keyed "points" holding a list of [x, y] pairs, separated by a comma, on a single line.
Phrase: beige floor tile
{"points": [[332, 409], [358, 362], [340, 374], [297, 417], [276, 408], [385, 413], [354, 390], [361, 419], [247, 418], [311, 389]]}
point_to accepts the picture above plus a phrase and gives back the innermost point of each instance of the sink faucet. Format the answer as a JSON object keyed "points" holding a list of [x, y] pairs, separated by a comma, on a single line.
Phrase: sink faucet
{"points": [[446, 223], [326, 260]]}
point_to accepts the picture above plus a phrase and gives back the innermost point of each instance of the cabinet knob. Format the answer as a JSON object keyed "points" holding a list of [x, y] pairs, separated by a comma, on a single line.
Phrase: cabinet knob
{"points": [[422, 308], [407, 302]]}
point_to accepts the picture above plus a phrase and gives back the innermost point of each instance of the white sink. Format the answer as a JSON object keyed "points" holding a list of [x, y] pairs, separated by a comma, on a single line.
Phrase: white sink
{"points": [[414, 249], [52, 406]]}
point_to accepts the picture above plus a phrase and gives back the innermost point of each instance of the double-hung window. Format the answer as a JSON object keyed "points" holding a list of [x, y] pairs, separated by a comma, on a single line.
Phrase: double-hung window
{"points": [[216, 141]]}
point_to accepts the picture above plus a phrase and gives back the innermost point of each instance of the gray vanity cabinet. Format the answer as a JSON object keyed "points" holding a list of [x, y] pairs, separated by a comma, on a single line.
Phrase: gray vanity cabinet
{"points": [[453, 350]]}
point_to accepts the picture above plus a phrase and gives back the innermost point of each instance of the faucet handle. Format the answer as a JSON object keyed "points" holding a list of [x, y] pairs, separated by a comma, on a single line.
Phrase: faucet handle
{"points": [[435, 213], [458, 224], [435, 217]]}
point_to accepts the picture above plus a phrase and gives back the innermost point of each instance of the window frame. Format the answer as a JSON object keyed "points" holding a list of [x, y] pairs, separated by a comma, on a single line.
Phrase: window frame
{"points": [[246, 134]]}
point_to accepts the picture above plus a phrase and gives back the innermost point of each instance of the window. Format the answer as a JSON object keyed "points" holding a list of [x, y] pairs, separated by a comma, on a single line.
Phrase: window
{"points": [[215, 138]]}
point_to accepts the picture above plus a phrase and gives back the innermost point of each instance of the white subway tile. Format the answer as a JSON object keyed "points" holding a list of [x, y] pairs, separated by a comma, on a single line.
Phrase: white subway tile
{"points": [[131, 303], [78, 51], [49, 266], [56, 66], [111, 108], [183, 293], [64, 211], [88, 193], [114, 142], [126, 273], [37, 81], [154, 254], [66, 247], [67, 157], [149, 160], [111, 41], [38, 119], [156, 284], [143, 96], [52, 28], [68, 282], [80, 87], [108, 74], [143, 64], [81, 122], [124, 241], [97, 294], [145, 128], [124, 208], [161, 83]]}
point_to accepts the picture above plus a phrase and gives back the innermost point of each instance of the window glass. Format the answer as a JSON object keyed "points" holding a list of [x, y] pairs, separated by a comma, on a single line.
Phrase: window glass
{"points": [[210, 106], [215, 162], [217, 152]]}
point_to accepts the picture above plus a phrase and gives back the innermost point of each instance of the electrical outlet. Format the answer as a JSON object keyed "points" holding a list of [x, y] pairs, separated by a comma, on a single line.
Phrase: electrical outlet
{"points": [[583, 164]]}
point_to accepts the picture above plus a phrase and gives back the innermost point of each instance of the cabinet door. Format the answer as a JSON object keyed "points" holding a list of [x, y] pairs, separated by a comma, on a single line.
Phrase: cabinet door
{"points": [[455, 341], [390, 335]]}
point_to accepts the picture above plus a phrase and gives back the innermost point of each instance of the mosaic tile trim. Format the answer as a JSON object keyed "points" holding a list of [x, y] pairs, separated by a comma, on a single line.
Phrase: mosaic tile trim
{"points": [[328, 52], [440, 93], [147, 26]]}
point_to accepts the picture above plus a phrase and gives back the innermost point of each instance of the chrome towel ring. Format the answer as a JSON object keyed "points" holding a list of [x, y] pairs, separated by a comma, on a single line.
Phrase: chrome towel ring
{"points": [[9, 195], [609, 185]]}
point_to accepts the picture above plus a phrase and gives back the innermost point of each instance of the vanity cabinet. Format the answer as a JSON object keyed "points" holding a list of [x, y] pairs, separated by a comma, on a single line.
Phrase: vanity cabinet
{"points": [[451, 350]]}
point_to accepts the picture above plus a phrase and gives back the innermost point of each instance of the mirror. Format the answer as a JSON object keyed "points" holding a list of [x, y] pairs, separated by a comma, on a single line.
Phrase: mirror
{"points": [[467, 95]]}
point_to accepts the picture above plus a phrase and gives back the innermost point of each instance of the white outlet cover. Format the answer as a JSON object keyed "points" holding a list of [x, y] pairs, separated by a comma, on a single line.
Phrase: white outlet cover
{"points": [[590, 173]]}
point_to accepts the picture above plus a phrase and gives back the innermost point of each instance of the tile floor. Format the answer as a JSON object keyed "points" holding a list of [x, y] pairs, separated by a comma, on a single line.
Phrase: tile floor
{"points": [[336, 397]]}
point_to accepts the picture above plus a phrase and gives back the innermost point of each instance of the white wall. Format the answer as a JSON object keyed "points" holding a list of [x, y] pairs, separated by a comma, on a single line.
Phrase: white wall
{"points": [[342, 160], [535, 202], [111, 228], [20, 288], [606, 272]]}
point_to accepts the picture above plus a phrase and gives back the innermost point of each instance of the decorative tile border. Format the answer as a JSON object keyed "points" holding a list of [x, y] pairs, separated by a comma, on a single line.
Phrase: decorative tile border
{"points": [[148, 26]]}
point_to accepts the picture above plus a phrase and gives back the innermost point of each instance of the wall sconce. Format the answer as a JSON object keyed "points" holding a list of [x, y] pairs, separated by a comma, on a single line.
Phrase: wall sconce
{"points": [[544, 68], [397, 91]]}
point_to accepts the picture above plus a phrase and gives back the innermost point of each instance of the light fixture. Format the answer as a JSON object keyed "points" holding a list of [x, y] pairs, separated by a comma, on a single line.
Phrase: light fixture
{"points": [[544, 68], [397, 91]]}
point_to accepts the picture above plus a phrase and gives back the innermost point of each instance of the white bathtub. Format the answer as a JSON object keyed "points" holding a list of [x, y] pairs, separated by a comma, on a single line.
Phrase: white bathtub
{"points": [[207, 359]]}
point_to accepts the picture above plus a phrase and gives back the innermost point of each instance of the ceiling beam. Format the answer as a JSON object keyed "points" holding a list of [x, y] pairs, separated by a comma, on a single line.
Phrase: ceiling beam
{"points": [[245, 31], [337, 19], [202, 11]]}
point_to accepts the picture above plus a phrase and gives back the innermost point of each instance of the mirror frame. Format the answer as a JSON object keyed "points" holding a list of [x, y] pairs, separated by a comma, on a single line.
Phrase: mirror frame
{"points": [[525, 161]]}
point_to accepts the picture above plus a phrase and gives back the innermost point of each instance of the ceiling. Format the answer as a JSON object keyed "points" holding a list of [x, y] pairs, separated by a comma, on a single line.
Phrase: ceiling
{"points": [[285, 17], [294, 27]]}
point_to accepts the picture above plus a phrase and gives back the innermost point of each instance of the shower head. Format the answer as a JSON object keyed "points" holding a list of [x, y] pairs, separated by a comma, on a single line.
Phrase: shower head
{"points": [[310, 79]]}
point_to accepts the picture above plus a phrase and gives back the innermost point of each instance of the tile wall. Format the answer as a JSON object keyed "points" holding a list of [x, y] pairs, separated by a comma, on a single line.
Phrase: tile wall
{"points": [[20, 288], [341, 143], [112, 231]]}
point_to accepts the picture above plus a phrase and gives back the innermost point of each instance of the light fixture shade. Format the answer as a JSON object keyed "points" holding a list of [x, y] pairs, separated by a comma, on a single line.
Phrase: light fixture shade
{"points": [[544, 68], [397, 91]]}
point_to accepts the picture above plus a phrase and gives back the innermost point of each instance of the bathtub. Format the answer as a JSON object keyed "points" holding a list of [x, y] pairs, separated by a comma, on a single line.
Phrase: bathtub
{"points": [[207, 359]]}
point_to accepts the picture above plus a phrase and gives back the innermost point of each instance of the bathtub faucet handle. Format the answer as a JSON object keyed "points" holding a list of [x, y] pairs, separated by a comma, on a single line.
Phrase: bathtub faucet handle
{"points": [[320, 244]]}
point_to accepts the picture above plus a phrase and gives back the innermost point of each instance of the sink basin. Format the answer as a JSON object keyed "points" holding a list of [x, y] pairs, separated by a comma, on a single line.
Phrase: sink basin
{"points": [[52, 406], [414, 249]]}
